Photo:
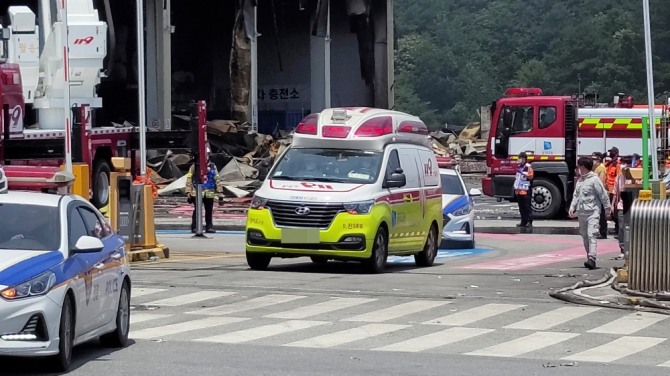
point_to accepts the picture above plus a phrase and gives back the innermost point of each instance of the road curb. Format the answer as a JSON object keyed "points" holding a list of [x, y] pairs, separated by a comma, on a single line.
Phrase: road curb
{"points": [[185, 226]]}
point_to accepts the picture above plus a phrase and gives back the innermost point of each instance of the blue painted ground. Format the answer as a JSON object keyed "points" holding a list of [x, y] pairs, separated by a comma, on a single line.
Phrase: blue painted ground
{"points": [[441, 254]]}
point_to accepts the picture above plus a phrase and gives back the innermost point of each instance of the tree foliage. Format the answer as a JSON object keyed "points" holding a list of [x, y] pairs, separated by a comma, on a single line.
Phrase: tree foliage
{"points": [[453, 56]]}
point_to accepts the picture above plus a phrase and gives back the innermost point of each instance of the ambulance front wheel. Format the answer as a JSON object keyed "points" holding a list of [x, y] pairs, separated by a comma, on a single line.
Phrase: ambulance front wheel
{"points": [[258, 261], [377, 261]]}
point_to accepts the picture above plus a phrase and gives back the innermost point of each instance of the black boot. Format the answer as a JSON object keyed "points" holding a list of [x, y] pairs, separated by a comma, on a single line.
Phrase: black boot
{"points": [[590, 264]]}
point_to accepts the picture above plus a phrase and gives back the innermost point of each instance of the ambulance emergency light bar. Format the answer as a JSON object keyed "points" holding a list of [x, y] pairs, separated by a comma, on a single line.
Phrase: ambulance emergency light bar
{"points": [[374, 127]]}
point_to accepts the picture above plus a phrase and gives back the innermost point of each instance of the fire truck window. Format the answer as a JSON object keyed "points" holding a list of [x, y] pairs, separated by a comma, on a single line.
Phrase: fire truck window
{"points": [[547, 117], [523, 119]]}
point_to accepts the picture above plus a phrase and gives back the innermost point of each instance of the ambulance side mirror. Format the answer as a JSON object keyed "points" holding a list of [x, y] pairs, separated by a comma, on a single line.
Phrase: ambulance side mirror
{"points": [[396, 180]]}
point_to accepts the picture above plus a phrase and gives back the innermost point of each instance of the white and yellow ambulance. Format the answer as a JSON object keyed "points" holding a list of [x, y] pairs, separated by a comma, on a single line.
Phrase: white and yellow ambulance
{"points": [[355, 184]]}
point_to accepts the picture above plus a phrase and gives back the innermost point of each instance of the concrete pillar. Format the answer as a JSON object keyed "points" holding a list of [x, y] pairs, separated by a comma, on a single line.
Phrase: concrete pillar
{"points": [[320, 69], [253, 93], [158, 63], [384, 67]]}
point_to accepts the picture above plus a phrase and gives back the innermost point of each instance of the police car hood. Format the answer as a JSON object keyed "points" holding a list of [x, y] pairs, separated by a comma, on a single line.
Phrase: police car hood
{"points": [[17, 266], [309, 190]]}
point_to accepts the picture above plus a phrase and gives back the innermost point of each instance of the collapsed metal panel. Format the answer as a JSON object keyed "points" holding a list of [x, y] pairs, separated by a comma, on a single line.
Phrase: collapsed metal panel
{"points": [[650, 246]]}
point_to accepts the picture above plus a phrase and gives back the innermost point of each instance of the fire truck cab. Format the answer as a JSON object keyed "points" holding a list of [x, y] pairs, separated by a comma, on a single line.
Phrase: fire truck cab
{"points": [[554, 131]]}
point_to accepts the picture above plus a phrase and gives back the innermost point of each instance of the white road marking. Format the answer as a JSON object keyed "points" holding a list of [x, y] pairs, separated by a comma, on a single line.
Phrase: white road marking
{"points": [[666, 364], [193, 297], [264, 331], [474, 314], [630, 324], [247, 305], [320, 308], [186, 326], [347, 336], [136, 292], [433, 340], [136, 318], [524, 345], [617, 349], [397, 311], [553, 318]]}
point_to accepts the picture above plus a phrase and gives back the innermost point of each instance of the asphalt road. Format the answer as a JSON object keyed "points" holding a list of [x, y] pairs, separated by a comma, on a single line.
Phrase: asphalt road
{"points": [[476, 312]]}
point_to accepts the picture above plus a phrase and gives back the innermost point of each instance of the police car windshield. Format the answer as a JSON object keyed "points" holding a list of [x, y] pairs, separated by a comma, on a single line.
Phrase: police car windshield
{"points": [[451, 185], [29, 227], [329, 165]]}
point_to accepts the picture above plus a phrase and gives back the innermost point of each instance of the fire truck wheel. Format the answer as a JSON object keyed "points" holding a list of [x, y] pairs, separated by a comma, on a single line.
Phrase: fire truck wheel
{"points": [[101, 171], [547, 199]]}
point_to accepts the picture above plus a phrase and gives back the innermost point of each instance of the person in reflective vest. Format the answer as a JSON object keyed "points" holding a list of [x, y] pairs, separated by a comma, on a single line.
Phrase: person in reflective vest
{"points": [[208, 193], [522, 189]]}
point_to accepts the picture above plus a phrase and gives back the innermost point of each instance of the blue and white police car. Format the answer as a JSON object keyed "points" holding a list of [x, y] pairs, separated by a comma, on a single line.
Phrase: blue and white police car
{"points": [[64, 277], [458, 210]]}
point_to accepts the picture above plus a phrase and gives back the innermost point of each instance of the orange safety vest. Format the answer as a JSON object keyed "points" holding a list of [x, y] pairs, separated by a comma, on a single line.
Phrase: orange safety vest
{"points": [[612, 172]]}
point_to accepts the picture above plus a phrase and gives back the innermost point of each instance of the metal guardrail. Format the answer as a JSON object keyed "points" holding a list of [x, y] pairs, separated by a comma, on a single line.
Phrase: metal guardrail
{"points": [[649, 257]]}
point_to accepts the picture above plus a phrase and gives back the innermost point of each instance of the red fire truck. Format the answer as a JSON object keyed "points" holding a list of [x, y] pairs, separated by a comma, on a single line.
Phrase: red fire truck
{"points": [[555, 131]]}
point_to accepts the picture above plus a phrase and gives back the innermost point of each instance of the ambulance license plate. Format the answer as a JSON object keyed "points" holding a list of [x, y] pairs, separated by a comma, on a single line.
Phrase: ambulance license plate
{"points": [[300, 236]]}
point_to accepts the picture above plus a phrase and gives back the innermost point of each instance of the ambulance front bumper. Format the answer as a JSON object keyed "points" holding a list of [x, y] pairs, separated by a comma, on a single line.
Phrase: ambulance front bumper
{"points": [[347, 237]]}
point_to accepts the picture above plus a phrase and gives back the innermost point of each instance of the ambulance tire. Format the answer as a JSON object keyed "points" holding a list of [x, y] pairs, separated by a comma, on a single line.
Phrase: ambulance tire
{"points": [[377, 261], [101, 183], [549, 191], [258, 261], [319, 260], [61, 361], [427, 256]]}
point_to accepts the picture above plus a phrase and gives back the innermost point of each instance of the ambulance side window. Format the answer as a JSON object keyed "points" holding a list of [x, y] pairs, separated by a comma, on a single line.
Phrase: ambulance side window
{"points": [[409, 165], [393, 163]]}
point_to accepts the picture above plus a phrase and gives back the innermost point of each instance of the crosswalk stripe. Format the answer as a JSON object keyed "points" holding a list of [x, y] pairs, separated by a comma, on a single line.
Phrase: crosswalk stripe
{"points": [[617, 349], [136, 292], [247, 305], [666, 364], [264, 331], [136, 318], [553, 318], [194, 297], [397, 311], [519, 346], [433, 340], [186, 326], [630, 324], [320, 308], [347, 336], [474, 314]]}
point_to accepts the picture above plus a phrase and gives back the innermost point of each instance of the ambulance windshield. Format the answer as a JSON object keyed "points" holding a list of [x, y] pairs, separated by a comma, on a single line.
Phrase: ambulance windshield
{"points": [[329, 165]]}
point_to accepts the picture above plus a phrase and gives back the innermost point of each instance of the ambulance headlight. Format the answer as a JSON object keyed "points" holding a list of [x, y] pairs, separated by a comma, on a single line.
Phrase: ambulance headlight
{"points": [[258, 202], [362, 207]]}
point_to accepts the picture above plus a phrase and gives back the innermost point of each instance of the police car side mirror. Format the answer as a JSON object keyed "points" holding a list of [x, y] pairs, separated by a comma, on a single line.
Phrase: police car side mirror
{"points": [[396, 180], [474, 192], [88, 244]]}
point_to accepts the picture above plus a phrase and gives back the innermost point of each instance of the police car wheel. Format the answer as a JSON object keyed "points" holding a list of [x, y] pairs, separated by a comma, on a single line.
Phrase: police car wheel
{"points": [[377, 261], [119, 337], [258, 261], [427, 256], [61, 361]]}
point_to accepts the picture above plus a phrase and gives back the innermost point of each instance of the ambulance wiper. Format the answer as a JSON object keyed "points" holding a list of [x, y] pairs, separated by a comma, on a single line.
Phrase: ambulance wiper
{"points": [[282, 177], [324, 180]]}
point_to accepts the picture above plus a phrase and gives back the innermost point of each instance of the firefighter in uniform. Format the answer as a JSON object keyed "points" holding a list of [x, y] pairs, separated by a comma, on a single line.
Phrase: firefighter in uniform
{"points": [[522, 189], [590, 195]]}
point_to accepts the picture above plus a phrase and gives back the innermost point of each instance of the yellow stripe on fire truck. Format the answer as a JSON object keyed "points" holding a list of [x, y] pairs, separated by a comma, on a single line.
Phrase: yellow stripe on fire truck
{"points": [[612, 123]]}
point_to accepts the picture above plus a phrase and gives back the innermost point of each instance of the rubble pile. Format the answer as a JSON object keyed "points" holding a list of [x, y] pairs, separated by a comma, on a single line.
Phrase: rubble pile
{"points": [[468, 147], [242, 159]]}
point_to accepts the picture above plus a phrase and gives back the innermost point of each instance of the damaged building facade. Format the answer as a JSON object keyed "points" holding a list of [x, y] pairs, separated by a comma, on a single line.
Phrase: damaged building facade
{"points": [[261, 66]]}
